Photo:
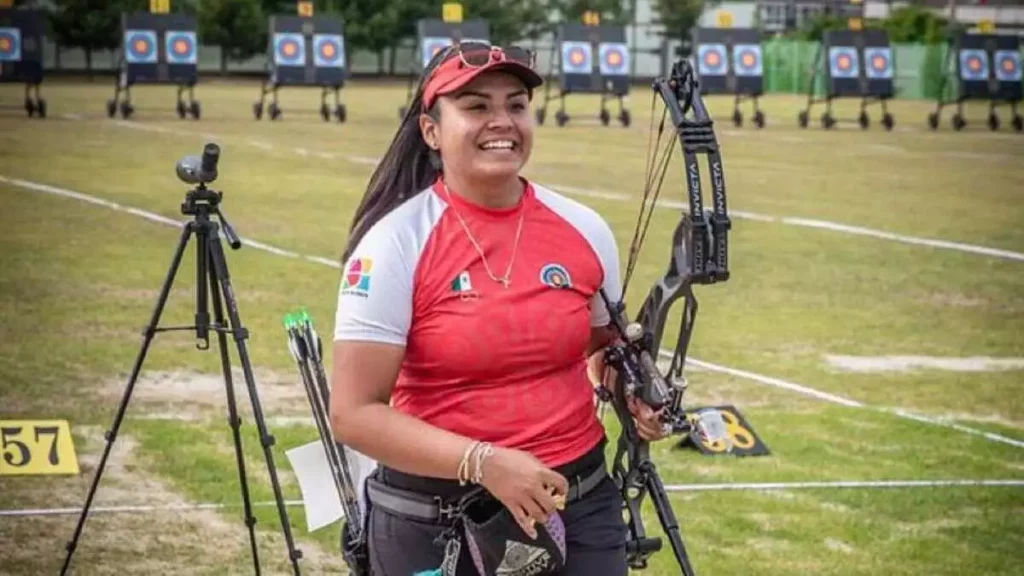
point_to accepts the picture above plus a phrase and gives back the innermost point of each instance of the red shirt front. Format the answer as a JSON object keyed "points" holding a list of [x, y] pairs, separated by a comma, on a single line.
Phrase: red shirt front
{"points": [[501, 365]]}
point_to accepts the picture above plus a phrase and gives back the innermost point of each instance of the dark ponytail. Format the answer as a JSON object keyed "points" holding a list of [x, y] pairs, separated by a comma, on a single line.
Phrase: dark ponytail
{"points": [[408, 166]]}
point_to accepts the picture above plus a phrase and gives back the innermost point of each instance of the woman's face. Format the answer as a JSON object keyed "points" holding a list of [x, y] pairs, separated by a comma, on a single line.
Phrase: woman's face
{"points": [[485, 129]]}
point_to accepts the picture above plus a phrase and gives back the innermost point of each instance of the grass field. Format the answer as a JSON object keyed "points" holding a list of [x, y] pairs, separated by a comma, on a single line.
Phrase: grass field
{"points": [[78, 281]]}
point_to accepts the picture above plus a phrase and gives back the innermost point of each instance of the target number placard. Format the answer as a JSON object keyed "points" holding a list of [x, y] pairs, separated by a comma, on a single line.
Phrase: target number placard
{"points": [[747, 60], [140, 46], [577, 57], [432, 45], [35, 447], [843, 62], [1008, 66], [10, 44], [878, 63], [711, 60], [742, 439], [614, 58], [289, 49], [329, 50], [181, 47], [973, 64]]}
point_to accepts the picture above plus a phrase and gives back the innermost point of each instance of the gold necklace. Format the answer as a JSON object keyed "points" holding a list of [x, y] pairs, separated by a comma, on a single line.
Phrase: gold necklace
{"points": [[506, 279]]}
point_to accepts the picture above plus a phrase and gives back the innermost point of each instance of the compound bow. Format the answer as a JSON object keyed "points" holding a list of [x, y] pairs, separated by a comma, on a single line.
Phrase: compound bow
{"points": [[699, 256]]}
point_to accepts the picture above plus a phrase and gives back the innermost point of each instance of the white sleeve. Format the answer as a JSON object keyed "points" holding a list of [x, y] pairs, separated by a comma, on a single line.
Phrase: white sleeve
{"points": [[376, 288], [608, 253]]}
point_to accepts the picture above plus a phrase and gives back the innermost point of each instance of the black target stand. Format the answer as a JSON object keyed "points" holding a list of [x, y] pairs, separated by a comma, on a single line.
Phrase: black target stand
{"points": [[211, 266]]}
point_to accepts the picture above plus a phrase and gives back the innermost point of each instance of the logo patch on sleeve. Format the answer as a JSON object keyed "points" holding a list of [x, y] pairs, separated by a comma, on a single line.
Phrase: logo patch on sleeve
{"points": [[555, 276], [357, 277]]}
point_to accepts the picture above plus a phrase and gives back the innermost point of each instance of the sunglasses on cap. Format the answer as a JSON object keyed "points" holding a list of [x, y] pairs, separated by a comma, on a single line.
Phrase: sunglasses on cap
{"points": [[477, 54]]}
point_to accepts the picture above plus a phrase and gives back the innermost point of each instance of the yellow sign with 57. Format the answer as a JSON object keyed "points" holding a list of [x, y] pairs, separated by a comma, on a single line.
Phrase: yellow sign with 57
{"points": [[36, 447]]}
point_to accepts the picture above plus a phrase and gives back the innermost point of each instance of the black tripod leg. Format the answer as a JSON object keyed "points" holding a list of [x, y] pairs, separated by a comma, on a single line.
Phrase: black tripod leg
{"points": [[233, 420], [668, 519], [220, 269], [111, 434]]}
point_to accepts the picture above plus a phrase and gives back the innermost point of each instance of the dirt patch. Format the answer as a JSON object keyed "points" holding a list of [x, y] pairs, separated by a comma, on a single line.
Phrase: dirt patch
{"points": [[909, 363], [838, 545], [187, 395], [182, 540]]}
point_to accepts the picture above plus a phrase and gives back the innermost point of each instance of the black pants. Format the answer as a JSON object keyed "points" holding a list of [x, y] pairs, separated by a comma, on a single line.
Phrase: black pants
{"points": [[594, 529]]}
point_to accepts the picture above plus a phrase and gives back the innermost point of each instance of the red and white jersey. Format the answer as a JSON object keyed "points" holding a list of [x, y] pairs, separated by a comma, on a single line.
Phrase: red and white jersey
{"points": [[494, 364]]}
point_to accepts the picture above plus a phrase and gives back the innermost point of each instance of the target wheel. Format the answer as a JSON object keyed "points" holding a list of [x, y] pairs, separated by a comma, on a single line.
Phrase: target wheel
{"points": [[401, 112], [257, 110], [1018, 123], [325, 113], [275, 111], [802, 119], [864, 120], [605, 116], [759, 119], [737, 118], [539, 115], [561, 118], [958, 122], [888, 121], [827, 121], [933, 120], [341, 113], [111, 108], [126, 110], [993, 122], [195, 110], [41, 107], [625, 118], [182, 110], [30, 107]]}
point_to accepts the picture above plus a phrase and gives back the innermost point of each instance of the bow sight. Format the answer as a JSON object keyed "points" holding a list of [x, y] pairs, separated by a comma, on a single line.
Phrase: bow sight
{"points": [[699, 256]]}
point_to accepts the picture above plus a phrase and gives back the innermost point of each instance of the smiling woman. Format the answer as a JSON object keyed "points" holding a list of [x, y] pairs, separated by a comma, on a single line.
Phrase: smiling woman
{"points": [[467, 312]]}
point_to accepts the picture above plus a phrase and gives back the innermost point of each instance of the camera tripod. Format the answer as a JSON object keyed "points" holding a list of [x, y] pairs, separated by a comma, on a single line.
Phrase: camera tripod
{"points": [[211, 266]]}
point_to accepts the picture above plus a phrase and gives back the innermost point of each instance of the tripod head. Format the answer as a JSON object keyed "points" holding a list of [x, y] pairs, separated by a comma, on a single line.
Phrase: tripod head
{"points": [[201, 201]]}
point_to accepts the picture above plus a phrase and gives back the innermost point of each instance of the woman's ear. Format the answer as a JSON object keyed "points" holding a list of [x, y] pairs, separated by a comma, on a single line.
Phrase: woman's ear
{"points": [[429, 131]]}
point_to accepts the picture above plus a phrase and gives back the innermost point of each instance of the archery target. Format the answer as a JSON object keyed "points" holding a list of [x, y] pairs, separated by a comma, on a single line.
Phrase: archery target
{"points": [[843, 62], [1008, 66], [180, 47], [289, 49], [140, 46], [878, 62], [747, 60], [328, 50], [432, 45], [614, 58], [10, 44], [712, 61], [973, 64], [577, 58]]}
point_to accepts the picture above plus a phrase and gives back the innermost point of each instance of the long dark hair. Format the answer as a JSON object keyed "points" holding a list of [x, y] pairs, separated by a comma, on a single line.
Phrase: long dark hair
{"points": [[408, 166]]}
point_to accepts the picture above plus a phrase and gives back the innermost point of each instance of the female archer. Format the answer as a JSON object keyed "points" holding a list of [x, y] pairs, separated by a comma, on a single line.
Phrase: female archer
{"points": [[467, 312]]}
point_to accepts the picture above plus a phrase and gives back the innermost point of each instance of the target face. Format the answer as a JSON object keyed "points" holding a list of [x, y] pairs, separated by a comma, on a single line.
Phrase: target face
{"points": [[328, 50], [577, 58], [614, 58], [1008, 66], [843, 62], [747, 60], [289, 49], [140, 46], [878, 62], [973, 64], [711, 60], [10, 44], [181, 47], [432, 45]]}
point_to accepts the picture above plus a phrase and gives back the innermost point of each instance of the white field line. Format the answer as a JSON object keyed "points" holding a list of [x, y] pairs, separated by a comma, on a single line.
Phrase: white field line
{"points": [[806, 222], [737, 486], [776, 382]]}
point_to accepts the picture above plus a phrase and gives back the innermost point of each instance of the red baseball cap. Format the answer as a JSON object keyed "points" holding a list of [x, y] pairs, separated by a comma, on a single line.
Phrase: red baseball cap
{"points": [[454, 72]]}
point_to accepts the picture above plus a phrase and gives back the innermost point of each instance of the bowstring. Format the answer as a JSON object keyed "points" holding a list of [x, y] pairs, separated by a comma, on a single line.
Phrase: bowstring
{"points": [[640, 229]]}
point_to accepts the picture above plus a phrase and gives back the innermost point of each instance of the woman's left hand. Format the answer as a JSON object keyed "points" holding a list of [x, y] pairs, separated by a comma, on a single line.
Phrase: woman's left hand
{"points": [[647, 420]]}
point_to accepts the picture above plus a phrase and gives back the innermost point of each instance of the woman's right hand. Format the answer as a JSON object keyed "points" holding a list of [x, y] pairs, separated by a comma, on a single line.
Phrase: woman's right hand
{"points": [[524, 485]]}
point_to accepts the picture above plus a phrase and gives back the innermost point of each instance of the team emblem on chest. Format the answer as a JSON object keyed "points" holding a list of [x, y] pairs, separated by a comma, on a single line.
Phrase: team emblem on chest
{"points": [[555, 276], [463, 286]]}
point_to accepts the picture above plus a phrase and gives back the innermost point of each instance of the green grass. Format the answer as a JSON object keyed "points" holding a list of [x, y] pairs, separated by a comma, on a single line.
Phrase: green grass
{"points": [[78, 282]]}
